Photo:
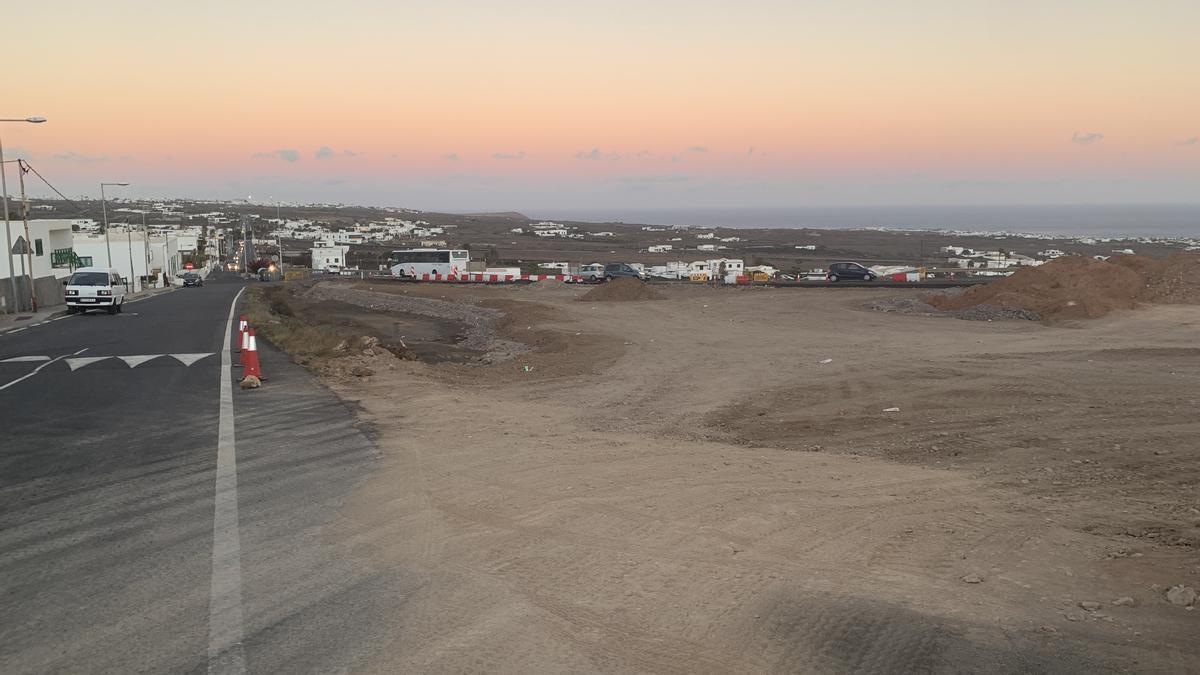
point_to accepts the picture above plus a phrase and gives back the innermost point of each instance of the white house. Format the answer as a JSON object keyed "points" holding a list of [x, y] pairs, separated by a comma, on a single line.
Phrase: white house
{"points": [[706, 247], [659, 248], [734, 268], [326, 256], [48, 261]]}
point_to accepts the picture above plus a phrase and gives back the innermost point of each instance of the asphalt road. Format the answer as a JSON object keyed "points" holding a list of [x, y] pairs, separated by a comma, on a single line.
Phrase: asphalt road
{"points": [[110, 511]]}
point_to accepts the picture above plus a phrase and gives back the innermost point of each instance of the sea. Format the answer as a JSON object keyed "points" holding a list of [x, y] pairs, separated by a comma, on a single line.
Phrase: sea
{"points": [[1067, 221]]}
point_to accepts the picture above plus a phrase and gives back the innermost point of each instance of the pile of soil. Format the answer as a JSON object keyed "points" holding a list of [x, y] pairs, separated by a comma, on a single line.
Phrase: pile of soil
{"points": [[621, 290], [1174, 280], [1079, 287]]}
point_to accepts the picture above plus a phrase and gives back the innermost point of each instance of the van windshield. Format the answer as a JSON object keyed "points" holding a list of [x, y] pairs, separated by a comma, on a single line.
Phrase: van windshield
{"points": [[88, 279]]}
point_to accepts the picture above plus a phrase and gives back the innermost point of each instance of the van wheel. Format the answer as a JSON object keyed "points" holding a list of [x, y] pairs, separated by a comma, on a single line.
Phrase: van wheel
{"points": [[112, 309], [71, 310], [121, 307]]}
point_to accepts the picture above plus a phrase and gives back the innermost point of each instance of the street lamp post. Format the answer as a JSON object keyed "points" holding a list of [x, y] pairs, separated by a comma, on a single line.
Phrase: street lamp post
{"points": [[12, 273], [104, 212]]}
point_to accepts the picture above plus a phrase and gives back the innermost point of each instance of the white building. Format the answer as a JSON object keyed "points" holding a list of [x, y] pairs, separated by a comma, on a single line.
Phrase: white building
{"points": [[706, 247], [48, 261], [152, 261], [659, 248], [328, 256]]}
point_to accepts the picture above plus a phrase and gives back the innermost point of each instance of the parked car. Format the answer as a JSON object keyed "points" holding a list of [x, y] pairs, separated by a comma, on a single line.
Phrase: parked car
{"points": [[849, 271], [618, 270], [95, 288], [192, 279], [592, 272]]}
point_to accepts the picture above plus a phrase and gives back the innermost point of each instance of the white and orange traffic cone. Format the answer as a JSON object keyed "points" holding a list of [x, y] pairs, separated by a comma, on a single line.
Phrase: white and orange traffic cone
{"points": [[244, 350], [243, 324], [253, 367]]}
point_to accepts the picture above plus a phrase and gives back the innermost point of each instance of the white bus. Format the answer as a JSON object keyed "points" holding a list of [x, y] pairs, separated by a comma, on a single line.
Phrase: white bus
{"points": [[415, 262]]}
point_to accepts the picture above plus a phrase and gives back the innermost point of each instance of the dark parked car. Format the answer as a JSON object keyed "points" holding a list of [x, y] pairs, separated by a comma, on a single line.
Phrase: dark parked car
{"points": [[192, 280], [849, 271], [618, 270]]}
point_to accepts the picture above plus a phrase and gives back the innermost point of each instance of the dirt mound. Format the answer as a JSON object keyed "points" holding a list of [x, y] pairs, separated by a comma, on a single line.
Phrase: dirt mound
{"points": [[1078, 287], [621, 290], [1072, 287], [1173, 280]]}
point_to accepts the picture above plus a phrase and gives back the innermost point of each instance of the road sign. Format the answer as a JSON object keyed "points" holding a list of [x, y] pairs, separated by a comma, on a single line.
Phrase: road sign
{"points": [[187, 266], [20, 246]]}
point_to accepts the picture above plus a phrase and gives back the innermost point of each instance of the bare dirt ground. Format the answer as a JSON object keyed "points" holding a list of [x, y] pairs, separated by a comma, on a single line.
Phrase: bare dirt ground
{"points": [[691, 485]]}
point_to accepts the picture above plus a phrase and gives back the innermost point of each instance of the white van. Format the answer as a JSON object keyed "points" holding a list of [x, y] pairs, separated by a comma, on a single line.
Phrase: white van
{"points": [[95, 288]]}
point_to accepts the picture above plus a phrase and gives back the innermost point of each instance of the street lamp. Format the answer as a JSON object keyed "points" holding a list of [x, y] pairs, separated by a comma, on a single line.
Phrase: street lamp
{"points": [[104, 211], [12, 274]]}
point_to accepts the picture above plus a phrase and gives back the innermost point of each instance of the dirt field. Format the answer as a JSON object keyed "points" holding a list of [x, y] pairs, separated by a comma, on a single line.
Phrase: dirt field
{"points": [[713, 483]]}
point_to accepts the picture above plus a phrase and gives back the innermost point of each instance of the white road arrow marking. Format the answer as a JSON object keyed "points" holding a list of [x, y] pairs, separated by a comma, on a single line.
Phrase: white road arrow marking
{"points": [[37, 370], [189, 359], [137, 360], [76, 364], [26, 359]]}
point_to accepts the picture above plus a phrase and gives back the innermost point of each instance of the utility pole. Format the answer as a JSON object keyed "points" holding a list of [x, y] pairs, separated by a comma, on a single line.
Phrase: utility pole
{"points": [[28, 241], [129, 236], [12, 269], [146, 243]]}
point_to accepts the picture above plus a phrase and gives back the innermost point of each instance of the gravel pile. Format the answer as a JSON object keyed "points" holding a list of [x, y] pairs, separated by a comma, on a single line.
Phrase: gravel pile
{"points": [[981, 312], [1080, 287]]}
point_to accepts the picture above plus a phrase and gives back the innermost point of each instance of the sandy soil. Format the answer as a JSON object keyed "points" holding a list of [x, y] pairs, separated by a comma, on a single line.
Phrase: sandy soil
{"points": [[686, 486]]}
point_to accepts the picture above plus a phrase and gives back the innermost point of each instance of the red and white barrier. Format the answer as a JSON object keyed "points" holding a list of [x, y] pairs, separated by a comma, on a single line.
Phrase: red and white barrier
{"points": [[484, 278]]}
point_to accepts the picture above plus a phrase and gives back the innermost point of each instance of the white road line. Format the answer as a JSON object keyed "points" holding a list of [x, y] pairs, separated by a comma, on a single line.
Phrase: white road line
{"points": [[76, 364], [189, 359], [225, 651], [35, 371], [26, 359], [139, 359]]}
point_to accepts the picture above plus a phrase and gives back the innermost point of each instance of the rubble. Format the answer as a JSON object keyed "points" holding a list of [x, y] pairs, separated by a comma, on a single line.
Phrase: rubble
{"points": [[1184, 596]]}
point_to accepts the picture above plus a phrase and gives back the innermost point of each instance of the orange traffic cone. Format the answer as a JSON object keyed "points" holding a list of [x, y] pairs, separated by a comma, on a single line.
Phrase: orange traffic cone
{"points": [[252, 366]]}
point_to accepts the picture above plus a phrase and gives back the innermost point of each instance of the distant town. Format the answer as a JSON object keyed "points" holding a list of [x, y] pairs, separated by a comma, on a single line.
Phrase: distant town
{"points": [[154, 243]]}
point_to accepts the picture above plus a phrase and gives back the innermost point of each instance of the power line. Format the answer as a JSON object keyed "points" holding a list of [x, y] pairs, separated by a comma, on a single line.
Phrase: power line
{"points": [[29, 167]]}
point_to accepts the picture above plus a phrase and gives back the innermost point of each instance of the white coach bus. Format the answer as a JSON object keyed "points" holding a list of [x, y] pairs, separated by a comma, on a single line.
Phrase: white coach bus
{"points": [[415, 262]]}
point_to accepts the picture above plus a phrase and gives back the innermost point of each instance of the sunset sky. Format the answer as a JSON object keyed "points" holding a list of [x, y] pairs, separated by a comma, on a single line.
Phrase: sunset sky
{"points": [[532, 105]]}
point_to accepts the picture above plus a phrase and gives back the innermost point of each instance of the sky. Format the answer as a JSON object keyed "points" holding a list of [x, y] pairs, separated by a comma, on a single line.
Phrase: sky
{"points": [[534, 105]]}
